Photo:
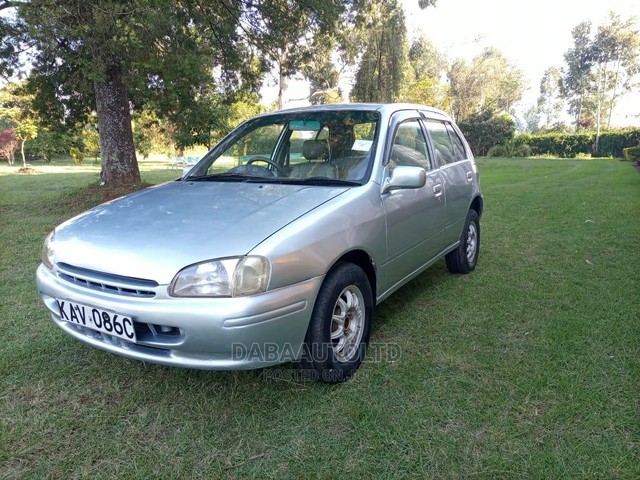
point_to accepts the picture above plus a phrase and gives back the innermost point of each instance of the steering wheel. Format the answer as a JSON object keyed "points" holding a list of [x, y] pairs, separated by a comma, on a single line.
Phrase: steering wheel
{"points": [[270, 162]]}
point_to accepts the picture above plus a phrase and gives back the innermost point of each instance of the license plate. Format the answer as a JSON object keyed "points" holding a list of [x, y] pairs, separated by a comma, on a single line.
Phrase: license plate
{"points": [[112, 323]]}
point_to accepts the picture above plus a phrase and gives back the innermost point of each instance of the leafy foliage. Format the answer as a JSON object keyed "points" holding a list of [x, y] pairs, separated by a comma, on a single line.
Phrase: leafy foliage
{"points": [[488, 83], [426, 67], [485, 130], [511, 149], [550, 101], [382, 68], [569, 145], [631, 153], [76, 155], [16, 110], [8, 145], [283, 32], [600, 68]]}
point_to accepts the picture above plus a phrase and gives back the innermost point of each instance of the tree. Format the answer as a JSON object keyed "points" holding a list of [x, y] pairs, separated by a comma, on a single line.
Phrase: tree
{"points": [[8, 145], [50, 142], [529, 120], [601, 67], [321, 71], [26, 130], [577, 82], [383, 65], [614, 53], [283, 31], [109, 55], [426, 60], [16, 109], [488, 83], [550, 101], [423, 80]]}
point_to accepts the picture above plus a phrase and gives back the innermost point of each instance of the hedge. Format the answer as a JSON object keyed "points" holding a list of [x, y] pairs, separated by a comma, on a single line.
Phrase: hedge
{"points": [[572, 144], [631, 153]]}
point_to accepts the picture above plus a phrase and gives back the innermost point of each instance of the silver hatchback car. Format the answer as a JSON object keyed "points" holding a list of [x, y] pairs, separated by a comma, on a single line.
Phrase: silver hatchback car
{"points": [[276, 246]]}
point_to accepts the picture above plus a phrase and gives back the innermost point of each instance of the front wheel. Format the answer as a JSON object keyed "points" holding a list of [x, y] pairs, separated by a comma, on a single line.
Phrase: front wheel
{"points": [[340, 326], [464, 258]]}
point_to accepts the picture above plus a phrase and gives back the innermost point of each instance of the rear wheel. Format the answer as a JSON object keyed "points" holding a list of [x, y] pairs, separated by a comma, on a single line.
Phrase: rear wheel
{"points": [[340, 325], [464, 258]]}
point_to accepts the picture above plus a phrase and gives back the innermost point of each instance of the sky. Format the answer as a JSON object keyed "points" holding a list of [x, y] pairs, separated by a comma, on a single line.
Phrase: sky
{"points": [[533, 35]]}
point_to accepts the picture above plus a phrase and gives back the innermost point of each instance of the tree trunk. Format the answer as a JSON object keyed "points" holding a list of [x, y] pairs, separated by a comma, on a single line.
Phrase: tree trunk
{"points": [[119, 163], [24, 160], [283, 85], [614, 94]]}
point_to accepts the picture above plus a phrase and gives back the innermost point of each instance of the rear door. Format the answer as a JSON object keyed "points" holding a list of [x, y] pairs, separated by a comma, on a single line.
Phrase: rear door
{"points": [[456, 167]]}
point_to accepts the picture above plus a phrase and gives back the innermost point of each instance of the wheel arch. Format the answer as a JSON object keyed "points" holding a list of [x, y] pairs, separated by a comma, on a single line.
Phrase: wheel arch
{"points": [[363, 260], [478, 205]]}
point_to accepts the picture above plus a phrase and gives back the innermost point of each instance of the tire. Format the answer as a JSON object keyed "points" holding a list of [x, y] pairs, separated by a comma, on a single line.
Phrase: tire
{"points": [[464, 258], [340, 326]]}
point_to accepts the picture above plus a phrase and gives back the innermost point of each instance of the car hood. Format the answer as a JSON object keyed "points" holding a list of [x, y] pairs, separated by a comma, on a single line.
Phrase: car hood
{"points": [[155, 233]]}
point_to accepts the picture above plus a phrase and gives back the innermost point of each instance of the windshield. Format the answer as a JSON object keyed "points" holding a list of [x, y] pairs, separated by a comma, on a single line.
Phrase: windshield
{"points": [[321, 146]]}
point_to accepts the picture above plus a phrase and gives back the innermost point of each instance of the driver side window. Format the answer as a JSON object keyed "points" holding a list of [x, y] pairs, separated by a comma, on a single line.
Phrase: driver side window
{"points": [[410, 146]]}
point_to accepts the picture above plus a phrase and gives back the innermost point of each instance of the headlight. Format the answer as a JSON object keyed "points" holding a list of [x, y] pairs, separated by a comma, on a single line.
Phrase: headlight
{"points": [[227, 277], [47, 250]]}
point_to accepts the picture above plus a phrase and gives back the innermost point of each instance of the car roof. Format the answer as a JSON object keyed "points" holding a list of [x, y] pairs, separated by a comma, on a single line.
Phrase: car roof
{"points": [[385, 109]]}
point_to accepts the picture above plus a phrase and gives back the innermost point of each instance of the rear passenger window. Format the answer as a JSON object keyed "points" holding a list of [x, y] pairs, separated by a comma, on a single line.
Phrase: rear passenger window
{"points": [[442, 144], [410, 146], [458, 146]]}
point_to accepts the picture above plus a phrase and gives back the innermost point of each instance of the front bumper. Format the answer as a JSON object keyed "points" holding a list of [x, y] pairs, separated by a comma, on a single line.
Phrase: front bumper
{"points": [[206, 333]]}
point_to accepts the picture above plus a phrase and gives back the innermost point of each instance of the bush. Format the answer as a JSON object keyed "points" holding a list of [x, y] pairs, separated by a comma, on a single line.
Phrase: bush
{"points": [[485, 130], [77, 155], [631, 153], [510, 148], [611, 144]]}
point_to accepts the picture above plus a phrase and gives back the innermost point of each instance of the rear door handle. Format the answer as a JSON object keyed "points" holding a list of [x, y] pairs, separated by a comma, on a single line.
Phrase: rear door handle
{"points": [[437, 189], [470, 176]]}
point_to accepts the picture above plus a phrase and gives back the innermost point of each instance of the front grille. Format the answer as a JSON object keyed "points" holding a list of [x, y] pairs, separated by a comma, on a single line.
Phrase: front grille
{"points": [[106, 282]]}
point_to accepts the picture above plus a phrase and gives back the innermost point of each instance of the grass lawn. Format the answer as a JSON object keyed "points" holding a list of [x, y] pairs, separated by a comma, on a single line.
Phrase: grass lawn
{"points": [[527, 368]]}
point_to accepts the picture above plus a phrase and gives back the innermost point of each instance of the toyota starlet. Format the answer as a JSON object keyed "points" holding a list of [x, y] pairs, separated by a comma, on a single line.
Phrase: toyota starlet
{"points": [[276, 246]]}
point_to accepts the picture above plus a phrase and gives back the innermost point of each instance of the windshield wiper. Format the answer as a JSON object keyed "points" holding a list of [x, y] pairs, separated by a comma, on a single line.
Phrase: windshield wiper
{"points": [[225, 177], [323, 181]]}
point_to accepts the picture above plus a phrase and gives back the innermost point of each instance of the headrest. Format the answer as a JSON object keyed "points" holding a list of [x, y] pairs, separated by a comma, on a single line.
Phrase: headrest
{"points": [[314, 149]]}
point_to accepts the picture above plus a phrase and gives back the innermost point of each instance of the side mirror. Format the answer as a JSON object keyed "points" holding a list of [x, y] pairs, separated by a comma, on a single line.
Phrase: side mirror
{"points": [[405, 177]]}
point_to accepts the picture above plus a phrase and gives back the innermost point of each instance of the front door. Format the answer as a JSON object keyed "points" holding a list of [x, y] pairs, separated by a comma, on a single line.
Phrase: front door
{"points": [[415, 217]]}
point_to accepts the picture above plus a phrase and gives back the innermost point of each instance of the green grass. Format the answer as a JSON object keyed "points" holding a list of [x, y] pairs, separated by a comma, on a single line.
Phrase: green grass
{"points": [[527, 368]]}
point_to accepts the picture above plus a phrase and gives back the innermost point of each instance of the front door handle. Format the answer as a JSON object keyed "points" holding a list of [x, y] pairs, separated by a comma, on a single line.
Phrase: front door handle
{"points": [[437, 189]]}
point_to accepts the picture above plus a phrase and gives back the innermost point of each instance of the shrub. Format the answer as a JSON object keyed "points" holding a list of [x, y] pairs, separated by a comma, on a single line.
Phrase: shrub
{"points": [[485, 130], [631, 153], [77, 155], [611, 143], [510, 148]]}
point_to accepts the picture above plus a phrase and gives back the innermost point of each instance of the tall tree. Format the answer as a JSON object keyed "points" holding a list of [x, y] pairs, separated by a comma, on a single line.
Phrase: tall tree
{"points": [[577, 82], [321, 71], [16, 111], [283, 31], [550, 101], [488, 83], [383, 64], [615, 56], [601, 66], [427, 67], [426, 60], [108, 55]]}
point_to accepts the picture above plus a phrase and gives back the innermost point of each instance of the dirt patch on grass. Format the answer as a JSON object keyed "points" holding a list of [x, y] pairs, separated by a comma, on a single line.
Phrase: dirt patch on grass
{"points": [[27, 170]]}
